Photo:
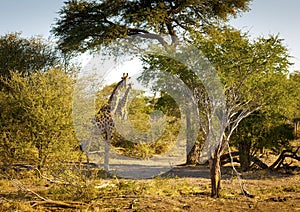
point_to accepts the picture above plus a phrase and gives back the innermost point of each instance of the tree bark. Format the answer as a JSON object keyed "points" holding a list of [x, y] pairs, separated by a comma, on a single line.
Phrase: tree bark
{"points": [[244, 154], [215, 174], [193, 152]]}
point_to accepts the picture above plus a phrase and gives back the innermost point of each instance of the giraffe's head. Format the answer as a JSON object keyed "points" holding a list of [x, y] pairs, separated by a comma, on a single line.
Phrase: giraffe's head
{"points": [[123, 82], [125, 76]]}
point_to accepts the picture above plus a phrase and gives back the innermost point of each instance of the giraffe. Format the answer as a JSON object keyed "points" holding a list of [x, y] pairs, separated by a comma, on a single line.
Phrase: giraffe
{"points": [[121, 108], [104, 119]]}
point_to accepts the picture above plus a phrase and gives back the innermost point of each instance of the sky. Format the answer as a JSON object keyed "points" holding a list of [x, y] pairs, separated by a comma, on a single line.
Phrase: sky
{"points": [[274, 17], [35, 17]]}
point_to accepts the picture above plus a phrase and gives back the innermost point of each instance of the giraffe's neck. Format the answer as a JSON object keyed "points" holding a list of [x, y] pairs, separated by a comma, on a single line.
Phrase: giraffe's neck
{"points": [[122, 104], [114, 98]]}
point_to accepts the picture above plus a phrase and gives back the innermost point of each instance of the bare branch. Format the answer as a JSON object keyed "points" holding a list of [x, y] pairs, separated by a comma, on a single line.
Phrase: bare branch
{"points": [[245, 113], [22, 187], [239, 175]]}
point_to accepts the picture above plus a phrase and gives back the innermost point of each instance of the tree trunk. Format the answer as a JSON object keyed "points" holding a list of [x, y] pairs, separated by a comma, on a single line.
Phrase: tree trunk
{"points": [[40, 158], [215, 174], [192, 149], [244, 154], [193, 156]]}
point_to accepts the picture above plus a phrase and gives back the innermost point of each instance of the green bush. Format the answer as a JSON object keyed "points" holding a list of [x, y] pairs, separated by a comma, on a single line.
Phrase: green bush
{"points": [[36, 118]]}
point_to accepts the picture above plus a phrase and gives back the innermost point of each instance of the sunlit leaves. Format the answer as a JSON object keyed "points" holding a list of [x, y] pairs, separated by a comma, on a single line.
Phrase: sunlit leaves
{"points": [[36, 119], [25, 55]]}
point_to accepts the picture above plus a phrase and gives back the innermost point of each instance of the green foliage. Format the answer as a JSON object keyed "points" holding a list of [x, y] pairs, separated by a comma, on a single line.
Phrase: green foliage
{"points": [[139, 113], [167, 105], [84, 24], [249, 68], [295, 84], [270, 127], [25, 55], [255, 75], [36, 122]]}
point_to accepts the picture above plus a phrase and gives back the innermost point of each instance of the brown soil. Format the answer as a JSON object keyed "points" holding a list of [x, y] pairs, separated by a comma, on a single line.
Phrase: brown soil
{"points": [[273, 191]]}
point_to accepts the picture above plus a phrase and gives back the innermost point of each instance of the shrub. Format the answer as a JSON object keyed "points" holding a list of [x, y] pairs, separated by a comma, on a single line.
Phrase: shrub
{"points": [[36, 118]]}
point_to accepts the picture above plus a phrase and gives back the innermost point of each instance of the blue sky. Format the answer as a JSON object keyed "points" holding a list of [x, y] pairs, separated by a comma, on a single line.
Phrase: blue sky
{"points": [[31, 17], [274, 17], [34, 17]]}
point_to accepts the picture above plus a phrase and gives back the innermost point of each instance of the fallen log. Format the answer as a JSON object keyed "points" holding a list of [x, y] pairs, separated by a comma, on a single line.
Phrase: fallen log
{"points": [[227, 159], [59, 204], [258, 162], [286, 154]]}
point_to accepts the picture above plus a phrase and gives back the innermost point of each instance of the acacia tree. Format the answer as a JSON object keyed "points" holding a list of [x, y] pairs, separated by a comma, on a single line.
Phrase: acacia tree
{"points": [[270, 127], [84, 25], [253, 75]]}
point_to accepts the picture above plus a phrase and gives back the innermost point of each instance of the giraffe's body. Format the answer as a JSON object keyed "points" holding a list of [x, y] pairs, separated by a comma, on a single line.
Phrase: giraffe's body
{"points": [[104, 121]]}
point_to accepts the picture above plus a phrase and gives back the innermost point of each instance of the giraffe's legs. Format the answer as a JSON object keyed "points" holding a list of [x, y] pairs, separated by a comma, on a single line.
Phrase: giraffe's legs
{"points": [[106, 152], [87, 159]]}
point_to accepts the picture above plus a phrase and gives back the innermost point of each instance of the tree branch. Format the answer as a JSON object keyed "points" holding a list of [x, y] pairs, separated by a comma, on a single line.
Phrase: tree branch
{"points": [[241, 116], [145, 34]]}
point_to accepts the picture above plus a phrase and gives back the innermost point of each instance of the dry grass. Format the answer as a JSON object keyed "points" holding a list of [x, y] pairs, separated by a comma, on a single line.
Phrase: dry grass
{"points": [[273, 191]]}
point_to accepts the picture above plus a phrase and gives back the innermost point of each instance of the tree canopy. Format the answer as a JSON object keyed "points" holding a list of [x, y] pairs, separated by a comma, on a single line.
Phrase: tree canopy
{"points": [[85, 24], [25, 55]]}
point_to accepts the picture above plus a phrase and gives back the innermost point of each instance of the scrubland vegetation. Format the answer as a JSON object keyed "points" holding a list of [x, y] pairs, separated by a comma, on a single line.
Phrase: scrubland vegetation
{"points": [[42, 167]]}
